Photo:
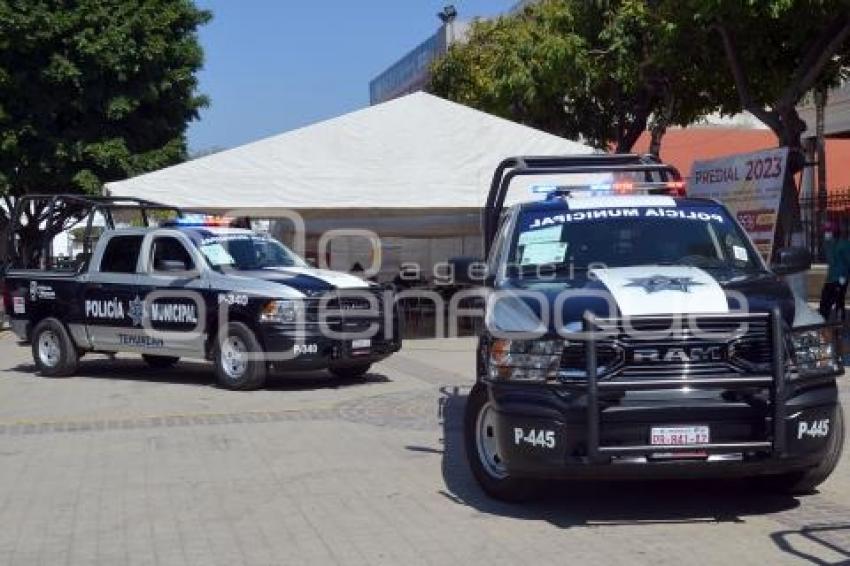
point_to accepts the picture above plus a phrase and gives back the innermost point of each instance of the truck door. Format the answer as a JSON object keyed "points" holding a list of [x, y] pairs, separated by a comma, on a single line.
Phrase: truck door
{"points": [[176, 294], [112, 301]]}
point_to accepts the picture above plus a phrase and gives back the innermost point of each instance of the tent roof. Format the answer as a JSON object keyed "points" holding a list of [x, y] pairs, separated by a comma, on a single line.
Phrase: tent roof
{"points": [[415, 152]]}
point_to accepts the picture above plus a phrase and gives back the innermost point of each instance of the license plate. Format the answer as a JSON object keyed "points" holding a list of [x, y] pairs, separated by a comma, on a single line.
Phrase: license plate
{"points": [[679, 435], [361, 344]]}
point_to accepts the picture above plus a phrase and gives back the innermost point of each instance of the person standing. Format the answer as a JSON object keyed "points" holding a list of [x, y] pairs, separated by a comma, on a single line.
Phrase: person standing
{"points": [[837, 252]]}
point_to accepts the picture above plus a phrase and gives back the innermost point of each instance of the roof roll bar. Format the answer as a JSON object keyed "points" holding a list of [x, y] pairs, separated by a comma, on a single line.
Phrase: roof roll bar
{"points": [[82, 206], [561, 165]]}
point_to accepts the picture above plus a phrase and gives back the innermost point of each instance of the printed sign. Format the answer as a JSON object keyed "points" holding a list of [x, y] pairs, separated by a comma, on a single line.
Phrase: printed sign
{"points": [[39, 291], [543, 221], [750, 185], [541, 253], [140, 341], [137, 310]]}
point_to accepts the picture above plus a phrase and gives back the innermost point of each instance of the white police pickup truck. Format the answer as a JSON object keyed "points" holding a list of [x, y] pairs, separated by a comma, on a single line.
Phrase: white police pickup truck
{"points": [[190, 289], [632, 332]]}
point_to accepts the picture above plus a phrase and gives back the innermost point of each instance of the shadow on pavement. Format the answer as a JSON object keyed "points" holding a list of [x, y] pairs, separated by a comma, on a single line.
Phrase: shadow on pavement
{"points": [[831, 541], [201, 374], [572, 504]]}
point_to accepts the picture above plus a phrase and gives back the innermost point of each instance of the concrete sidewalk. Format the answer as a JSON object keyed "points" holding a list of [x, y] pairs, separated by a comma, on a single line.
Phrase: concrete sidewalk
{"points": [[126, 465]]}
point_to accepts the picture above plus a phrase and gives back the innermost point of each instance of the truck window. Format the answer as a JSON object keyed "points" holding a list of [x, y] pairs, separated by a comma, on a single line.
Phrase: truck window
{"points": [[701, 236], [168, 248], [121, 254], [498, 244]]}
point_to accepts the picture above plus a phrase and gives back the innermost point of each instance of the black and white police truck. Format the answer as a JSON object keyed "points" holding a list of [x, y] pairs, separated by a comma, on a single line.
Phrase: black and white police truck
{"points": [[632, 332], [173, 285]]}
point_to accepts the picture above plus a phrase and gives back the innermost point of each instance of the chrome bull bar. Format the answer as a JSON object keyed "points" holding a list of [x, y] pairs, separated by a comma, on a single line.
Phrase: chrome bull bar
{"points": [[776, 442]]}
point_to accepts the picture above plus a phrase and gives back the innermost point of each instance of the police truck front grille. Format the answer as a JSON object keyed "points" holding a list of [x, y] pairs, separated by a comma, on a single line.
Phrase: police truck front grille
{"points": [[660, 348], [574, 362], [350, 311]]}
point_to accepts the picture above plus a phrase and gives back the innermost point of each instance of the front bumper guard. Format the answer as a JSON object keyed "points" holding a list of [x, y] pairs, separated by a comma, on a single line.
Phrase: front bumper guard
{"points": [[776, 444]]}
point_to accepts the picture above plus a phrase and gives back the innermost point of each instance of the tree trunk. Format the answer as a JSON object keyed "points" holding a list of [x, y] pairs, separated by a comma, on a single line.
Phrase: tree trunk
{"points": [[660, 122], [821, 98], [783, 118], [791, 136], [630, 134], [657, 132]]}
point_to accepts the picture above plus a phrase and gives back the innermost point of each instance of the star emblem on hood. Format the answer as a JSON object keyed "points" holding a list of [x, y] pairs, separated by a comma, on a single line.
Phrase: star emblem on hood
{"points": [[655, 283]]}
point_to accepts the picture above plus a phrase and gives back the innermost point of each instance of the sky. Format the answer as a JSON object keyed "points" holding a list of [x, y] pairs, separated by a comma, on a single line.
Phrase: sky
{"points": [[275, 65]]}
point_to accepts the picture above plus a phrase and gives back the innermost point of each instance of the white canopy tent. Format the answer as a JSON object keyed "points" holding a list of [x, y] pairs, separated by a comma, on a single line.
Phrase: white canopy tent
{"points": [[417, 154], [414, 167]]}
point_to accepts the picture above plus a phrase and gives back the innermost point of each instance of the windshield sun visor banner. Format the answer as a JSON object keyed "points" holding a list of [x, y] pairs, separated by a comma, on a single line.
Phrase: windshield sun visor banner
{"points": [[545, 219]]}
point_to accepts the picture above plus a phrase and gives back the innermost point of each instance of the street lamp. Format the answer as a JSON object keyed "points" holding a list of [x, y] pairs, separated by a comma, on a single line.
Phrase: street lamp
{"points": [[448, 14]]}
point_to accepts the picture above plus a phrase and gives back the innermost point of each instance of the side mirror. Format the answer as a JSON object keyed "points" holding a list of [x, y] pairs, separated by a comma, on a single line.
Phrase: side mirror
{"points": [[792, 260], [468, 270], [170, 265]]}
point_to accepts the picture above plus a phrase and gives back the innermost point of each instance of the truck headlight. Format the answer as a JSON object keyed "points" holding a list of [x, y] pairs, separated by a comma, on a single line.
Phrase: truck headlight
{"points": [[524, 360], [815, 351], [285, 311]]}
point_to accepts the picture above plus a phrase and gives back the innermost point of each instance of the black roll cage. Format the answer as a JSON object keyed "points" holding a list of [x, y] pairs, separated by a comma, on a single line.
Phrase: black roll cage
{"points": [[88, 206], [560, 165]]}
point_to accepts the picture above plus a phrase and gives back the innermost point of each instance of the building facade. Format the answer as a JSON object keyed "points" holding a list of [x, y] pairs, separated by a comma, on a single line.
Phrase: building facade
{"points": [[412, 72], [836, 114]]}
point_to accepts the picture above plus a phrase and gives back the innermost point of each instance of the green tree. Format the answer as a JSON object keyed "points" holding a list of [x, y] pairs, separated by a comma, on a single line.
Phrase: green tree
{"points": [[777, 52], [94, 91], [602, 71]]}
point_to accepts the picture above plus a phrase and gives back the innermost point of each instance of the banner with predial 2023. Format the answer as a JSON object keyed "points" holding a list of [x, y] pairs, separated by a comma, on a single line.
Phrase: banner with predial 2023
{"points": [[750, 185]]}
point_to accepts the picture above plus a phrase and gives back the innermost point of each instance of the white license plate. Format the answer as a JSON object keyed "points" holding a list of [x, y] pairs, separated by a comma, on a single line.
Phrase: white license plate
{"points": [[361, 344], [679, 435]]}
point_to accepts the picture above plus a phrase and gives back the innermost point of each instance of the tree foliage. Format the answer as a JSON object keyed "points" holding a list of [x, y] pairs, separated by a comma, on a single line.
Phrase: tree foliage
{"points": [[606, 71], [602, 71], [777, 52], [94, 90]]}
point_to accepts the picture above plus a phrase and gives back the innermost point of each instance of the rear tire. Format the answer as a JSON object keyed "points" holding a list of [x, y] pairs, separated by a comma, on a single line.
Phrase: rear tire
{"points": [[160, 362], [233, 369], [53, 350], [350, 372], [805, 482], [487, 466]]}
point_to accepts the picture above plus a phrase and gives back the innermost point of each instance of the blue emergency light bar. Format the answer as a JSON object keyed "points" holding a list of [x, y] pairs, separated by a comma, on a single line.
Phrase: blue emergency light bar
{"points": [[671, 188], [198, 220]]}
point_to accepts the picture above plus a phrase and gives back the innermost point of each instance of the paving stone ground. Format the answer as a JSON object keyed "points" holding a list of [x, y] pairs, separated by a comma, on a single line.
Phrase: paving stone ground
{"points": [[126, 465]]}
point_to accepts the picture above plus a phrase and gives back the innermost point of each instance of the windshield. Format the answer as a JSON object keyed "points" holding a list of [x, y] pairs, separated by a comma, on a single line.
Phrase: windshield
{"points": [[700, 236], [247, 252]]}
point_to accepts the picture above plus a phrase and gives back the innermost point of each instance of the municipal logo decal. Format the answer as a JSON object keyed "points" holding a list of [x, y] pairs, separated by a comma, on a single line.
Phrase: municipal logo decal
{"points": [[136, 311], [655, 283]]}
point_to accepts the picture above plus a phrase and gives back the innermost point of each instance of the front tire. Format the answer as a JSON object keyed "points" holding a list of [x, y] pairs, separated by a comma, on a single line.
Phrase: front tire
{"points": [[234, 368], [350, 372], [160, 362], [805, 482], [53, 350], [482, 451]]}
